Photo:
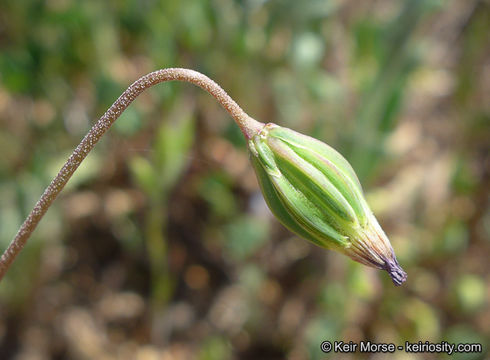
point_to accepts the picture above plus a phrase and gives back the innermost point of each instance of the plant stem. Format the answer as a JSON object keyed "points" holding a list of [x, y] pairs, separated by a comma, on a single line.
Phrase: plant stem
{"points": [[247, 125]]}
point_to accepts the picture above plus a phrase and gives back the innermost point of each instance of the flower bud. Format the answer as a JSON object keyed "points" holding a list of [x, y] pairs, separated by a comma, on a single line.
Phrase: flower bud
{"points": [[314, 192]]}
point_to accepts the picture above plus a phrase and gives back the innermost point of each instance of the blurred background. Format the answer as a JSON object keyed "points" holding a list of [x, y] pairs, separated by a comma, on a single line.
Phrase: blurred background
{"points": [[161, 246]]}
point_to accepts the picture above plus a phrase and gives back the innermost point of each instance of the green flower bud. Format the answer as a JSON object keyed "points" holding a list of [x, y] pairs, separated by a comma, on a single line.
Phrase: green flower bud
{"points": [[314, 192]]}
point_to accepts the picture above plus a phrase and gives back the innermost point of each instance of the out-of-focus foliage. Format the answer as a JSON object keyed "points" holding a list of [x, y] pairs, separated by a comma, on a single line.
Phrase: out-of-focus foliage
{"points": [[162, 246]]}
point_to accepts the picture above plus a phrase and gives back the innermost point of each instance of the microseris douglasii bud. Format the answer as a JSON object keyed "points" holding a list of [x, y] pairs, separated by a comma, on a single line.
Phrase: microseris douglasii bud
{"points": [[314, 192]]}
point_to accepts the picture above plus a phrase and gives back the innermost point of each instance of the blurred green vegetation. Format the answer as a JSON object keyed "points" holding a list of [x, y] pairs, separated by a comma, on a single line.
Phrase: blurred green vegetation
{"points": [[162, 247]]}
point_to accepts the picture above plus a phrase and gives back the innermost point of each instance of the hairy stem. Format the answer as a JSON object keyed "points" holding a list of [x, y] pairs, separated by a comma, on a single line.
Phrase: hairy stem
{"points": [[247, 125]]}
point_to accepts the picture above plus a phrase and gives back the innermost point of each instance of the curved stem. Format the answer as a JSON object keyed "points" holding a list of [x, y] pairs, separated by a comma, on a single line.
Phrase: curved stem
{"points": [[247, 125]]}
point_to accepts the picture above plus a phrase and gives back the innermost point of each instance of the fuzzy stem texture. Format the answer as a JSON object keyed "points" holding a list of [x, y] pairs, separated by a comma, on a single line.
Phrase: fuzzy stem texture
{"points": [[247, 125]]}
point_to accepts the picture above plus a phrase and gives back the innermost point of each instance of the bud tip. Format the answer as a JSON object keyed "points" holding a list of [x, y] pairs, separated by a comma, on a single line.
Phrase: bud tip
{"points": [[396, 272]]}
